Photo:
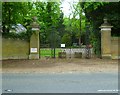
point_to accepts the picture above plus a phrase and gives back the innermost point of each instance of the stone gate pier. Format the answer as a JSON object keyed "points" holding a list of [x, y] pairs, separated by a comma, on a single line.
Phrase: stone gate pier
{"points": [[109, 45], [34, 40]]}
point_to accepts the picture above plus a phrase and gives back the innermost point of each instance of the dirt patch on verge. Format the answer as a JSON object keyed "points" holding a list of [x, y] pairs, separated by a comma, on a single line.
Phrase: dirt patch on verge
{"points": [[59, 65]]}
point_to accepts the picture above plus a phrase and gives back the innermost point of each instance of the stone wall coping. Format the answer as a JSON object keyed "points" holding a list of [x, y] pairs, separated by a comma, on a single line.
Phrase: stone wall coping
{"points": [[115, 38], [105, 26], [13, 39]]}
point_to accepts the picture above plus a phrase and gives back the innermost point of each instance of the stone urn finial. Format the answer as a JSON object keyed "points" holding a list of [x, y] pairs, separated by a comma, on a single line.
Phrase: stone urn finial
{"points": [[105, 24], [105, 20], [34, 18], [34, 24]]}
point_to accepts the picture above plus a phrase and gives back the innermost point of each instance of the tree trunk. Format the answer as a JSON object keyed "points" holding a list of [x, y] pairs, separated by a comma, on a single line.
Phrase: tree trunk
{"points": [[80, 41], [80, 15]]}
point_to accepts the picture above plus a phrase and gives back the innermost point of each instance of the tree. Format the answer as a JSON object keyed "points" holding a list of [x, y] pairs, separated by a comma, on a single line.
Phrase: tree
{"points": [[13, 13], [66, 39], [95, 12], [61, 26], [76, 23], [49, 15]]}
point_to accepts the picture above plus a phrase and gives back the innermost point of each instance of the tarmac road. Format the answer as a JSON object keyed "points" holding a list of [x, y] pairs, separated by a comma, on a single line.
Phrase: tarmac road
{"points": [[59, 82]]}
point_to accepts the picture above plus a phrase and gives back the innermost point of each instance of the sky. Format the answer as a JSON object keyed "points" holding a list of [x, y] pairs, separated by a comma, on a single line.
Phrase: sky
{"points": [[67, 10], [66, 6]]}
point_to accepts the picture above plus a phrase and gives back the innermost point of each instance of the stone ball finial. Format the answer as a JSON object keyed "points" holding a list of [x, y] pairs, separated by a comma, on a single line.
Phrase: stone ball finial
{"points": [[34, 18], [105, 24], [105, 20], [34, 24]]}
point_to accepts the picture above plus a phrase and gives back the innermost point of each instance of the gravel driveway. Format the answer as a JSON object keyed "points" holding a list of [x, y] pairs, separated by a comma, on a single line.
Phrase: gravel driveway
{"points": [[59, 65]]}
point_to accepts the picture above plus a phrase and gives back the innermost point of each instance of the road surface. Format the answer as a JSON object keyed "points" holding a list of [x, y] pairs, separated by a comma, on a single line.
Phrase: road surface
{"points": [[60, 82]]}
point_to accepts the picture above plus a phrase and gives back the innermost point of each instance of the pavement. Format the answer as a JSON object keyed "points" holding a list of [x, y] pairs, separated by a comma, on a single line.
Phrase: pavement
{"points": [[60, 83], [60, 76]]}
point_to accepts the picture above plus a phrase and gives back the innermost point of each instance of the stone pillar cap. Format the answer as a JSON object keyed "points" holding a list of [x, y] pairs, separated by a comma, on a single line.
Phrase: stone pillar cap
{"points": [[34, 19], [34, 24], [106, 24]]}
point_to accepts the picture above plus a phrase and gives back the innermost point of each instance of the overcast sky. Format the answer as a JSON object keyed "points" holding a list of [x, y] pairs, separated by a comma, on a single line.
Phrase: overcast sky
{"points": [[66, 6]]}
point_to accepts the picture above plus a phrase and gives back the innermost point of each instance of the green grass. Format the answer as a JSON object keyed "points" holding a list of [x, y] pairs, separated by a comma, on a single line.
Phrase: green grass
{"points": [[47, 52]]}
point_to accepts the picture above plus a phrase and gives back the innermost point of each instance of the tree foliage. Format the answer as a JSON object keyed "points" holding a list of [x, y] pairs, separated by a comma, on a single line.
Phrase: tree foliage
{"points": [[48, 14], [13, 13], [66, 29], [95, 12]]}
